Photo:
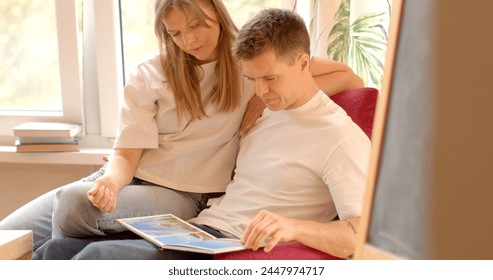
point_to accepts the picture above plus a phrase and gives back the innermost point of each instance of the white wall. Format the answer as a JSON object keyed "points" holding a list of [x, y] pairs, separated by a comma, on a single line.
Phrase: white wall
{"points": [[20, 183]]}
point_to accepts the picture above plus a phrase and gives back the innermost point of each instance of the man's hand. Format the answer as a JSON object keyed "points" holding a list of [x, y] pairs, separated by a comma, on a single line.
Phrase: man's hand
{"points": [[103, 194], [253, 112], [270, 229]]}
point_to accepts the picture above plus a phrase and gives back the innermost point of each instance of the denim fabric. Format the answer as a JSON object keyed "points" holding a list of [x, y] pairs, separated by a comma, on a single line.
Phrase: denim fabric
{"points": [[211, 231], [119, 249], [35, 215], [122, 246], [75, 216]]}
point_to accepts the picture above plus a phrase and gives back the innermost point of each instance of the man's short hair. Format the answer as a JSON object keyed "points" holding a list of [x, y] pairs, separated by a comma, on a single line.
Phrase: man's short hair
{"points": [[282, 30]]}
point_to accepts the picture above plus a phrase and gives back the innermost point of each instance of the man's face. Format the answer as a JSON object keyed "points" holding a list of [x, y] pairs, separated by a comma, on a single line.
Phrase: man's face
{"points": [[276, 83]]}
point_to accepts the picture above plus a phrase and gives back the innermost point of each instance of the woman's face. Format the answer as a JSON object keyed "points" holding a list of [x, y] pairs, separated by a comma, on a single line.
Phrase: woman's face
{"points": [[192, 37]]}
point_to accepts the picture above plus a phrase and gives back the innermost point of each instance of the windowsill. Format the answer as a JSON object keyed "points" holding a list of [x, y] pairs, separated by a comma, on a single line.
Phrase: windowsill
{"points": [[86, 156]]}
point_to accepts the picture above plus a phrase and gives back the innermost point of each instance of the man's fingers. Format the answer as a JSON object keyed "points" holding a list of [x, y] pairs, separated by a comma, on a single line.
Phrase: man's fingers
{"points": [[259, 233], [264, 235], [273, 241], [253, 224]]}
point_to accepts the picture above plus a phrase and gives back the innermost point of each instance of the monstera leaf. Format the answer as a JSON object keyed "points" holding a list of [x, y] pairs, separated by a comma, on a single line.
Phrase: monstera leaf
{"points": [[360, 44]]}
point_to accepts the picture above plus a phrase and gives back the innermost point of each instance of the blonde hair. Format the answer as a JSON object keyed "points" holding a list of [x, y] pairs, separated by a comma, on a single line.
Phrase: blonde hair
{"points": [[180, 69]]}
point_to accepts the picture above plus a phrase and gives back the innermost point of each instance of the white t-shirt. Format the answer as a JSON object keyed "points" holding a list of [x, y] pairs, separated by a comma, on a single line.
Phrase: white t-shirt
{"points": [[307, 163], [196, 156]]}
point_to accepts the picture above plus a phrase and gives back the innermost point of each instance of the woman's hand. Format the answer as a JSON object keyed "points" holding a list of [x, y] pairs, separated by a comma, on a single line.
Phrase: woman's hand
{"points": [[103, 194], [119, 172], [253, 112]]}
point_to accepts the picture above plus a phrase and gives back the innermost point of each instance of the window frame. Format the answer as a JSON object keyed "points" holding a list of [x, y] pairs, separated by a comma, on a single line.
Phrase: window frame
{"points": [[109, 63], [92, 77], [70, 75], [102, 72]]}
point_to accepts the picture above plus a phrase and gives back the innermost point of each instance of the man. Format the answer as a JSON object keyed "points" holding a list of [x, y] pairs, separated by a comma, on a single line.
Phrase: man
{"points": [[300, 167]]}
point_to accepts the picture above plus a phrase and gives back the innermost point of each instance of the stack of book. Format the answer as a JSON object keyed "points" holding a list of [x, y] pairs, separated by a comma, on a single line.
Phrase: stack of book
{"points": [[46, 137]]}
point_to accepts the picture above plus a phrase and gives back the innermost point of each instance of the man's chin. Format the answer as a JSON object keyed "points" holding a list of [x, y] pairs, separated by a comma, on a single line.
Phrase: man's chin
{"points": [[273, 108]]}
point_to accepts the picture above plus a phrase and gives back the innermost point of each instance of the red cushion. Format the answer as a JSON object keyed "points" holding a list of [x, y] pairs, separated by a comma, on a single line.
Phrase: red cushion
{"points": [[360, 105], [283, 251]]}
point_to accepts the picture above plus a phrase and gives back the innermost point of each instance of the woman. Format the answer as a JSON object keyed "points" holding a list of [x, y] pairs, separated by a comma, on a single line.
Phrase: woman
{"points": [[178, 130]]}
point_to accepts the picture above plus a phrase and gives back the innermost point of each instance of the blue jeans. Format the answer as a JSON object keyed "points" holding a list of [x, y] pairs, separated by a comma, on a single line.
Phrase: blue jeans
{"points": [[66, 211], [124, 246]]}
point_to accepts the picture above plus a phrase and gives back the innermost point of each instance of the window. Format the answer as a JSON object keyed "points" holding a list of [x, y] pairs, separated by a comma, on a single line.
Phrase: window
{"points": [[64, 60], [241, 11], [138, 36], [37, 76], [25, 85]]}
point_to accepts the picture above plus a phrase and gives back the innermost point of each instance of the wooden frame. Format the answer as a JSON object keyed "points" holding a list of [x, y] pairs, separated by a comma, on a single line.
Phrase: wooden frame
{"points": [[363, 249], [16, 244]]}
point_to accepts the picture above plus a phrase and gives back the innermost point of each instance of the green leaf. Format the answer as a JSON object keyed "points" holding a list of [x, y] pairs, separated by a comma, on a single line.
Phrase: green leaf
{"points": [[360, 44]]}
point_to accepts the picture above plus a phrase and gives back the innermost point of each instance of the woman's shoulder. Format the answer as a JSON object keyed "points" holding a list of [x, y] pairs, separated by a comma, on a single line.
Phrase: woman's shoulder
{"points": [[149, 67], [149, 61]]}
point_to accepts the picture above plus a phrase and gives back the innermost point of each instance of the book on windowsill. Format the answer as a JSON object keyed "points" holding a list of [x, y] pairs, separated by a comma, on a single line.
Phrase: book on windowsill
{"points": [[45, 140], [46, 147], [170, 232], [46, 129]]}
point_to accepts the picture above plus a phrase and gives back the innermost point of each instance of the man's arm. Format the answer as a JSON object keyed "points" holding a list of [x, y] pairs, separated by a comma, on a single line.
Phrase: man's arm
{"points": [[333, 77], [337, 238]]}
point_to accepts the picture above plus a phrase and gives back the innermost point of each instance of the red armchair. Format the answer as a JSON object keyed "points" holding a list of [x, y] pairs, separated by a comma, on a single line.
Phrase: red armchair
{"points": [[360, 105]]}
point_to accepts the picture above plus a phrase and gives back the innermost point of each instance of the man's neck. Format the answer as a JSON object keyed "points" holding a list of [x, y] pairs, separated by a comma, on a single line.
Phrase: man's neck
{"points": [[311, 90]]}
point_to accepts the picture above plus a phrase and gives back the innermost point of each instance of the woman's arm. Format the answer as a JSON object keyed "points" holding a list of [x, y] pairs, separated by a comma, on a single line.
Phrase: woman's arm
{"points": [[119, 171], [253, 112], [333, 77]]}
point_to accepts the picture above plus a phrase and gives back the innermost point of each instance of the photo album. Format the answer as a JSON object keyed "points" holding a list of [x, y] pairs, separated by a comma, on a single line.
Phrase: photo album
{"points": [[170, 232]]}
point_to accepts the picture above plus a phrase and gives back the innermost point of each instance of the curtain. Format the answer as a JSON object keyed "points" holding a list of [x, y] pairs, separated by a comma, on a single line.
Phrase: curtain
{"points": [[350, 31]]}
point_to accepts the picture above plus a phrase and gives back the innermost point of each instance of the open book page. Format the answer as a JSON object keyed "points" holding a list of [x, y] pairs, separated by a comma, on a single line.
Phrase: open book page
{"points": [[170, 232]]}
